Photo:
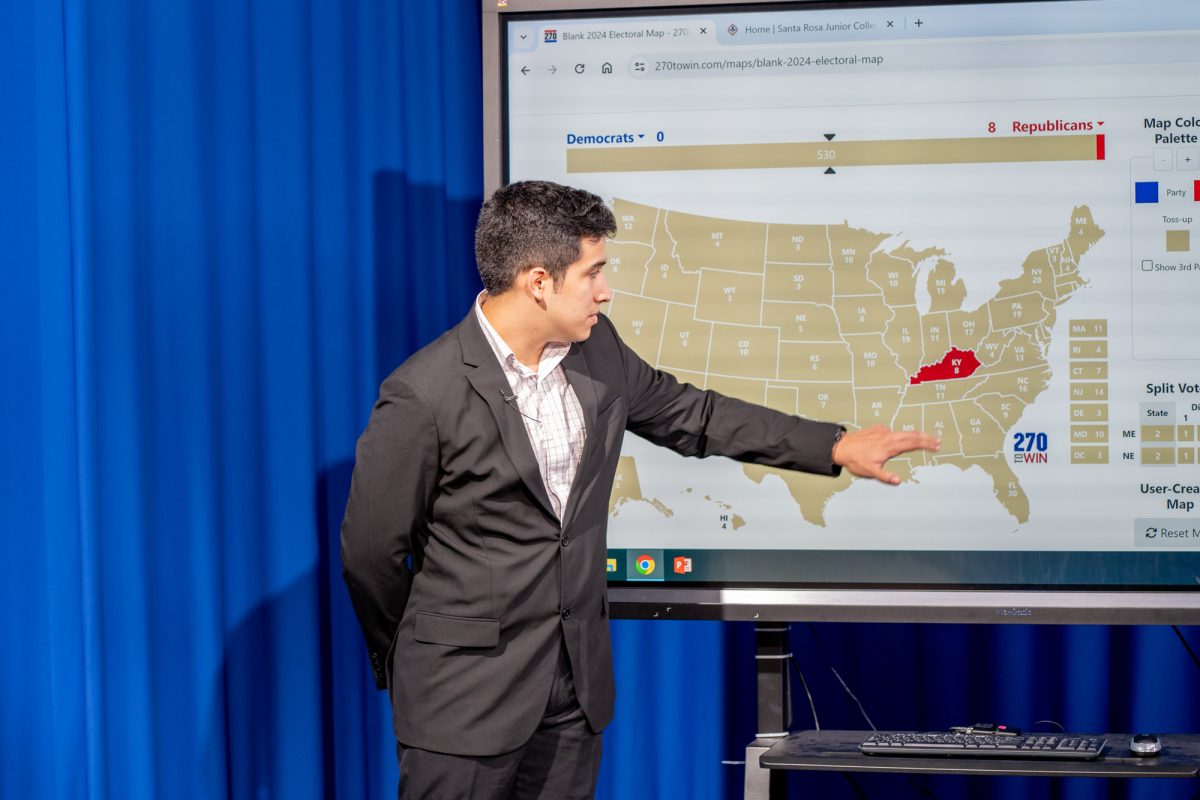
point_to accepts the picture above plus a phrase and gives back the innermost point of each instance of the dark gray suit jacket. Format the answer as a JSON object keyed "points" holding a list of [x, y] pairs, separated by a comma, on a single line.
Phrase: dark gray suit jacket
{"points": [[466, 637]]}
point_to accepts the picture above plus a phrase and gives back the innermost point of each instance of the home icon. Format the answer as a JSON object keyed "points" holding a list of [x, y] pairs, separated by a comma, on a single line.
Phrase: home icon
{"points": [[606, 68]]}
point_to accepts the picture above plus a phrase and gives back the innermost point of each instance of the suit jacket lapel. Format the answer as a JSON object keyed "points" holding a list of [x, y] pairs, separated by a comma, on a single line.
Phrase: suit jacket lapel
{"points": [[487, 378], [585, 390]]}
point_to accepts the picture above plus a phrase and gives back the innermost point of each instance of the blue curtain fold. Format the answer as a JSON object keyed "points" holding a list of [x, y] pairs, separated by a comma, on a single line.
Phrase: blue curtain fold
{"points": [[221, 224]]}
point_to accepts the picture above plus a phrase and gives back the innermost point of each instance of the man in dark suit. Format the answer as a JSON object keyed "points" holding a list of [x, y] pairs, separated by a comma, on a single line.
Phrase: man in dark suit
{"points": [[474, 538]]}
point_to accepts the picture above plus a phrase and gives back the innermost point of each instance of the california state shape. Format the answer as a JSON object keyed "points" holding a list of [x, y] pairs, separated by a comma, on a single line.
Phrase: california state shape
{"points": [[718, 243]]}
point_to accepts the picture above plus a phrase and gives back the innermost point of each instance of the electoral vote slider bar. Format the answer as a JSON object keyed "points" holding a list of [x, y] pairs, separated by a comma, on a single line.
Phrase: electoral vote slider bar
{"points": [[830, 154]]}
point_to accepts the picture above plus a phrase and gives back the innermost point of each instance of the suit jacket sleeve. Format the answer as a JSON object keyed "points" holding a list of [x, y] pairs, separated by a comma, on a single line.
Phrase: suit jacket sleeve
{"points": [[395, 471], [701, 423]]}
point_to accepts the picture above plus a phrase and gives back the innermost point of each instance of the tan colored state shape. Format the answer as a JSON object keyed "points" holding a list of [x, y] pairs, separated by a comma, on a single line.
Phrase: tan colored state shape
{"points": [[1037, 276], [1019, 311], [967, 328], [981, 436], [906, 252], [828, 401], [1024, 385], [935, 337], [941, 391], [1020, 351], [851, 249], [751, 391], [874, 363], [696, 379], [798, 244], [639, 321], [938, 420], [635, 222], [1084, 232], [810, 361], [811, 492], [876, 406], [685, 341], [946, 289], [666, 278], [730, 297], [862, 314], [802, 322], [1004, 408], [909, 418], [1004, 483], [626, 486], [626, 268], [709, 242], [744, 352], [896, 277], [903, 337], [799, 283], [991, 349], [782, 398]]}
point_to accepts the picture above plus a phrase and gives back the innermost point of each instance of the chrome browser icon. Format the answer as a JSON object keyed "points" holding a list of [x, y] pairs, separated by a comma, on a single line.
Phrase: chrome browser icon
{"points": [[645, 565]]}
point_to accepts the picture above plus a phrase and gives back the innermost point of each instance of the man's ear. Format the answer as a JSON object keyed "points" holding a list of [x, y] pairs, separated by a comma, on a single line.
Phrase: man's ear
{"points": [[537, 282]]}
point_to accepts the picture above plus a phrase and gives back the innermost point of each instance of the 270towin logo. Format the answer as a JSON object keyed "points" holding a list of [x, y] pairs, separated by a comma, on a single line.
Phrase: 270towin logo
{"points": [[1030, 448]]}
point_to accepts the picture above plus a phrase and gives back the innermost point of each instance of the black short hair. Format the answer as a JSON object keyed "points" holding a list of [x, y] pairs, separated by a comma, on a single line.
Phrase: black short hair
{"points": [[536, 224]]}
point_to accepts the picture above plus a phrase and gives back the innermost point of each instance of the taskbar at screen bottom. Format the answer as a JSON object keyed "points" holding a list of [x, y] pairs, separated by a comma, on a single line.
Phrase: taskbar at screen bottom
{"points": [[1168, 569]]}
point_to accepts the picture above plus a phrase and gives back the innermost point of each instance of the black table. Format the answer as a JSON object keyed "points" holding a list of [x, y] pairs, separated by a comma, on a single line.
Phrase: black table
{"points": [[837, 751]]}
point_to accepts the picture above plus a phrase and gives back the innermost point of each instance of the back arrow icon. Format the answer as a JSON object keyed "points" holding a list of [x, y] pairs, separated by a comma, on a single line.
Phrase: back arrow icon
{"points": [[524, 70]]}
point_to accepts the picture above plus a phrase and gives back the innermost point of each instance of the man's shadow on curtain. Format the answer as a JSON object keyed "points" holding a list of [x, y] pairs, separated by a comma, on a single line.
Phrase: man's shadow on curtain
{"points": [[424, 279]]}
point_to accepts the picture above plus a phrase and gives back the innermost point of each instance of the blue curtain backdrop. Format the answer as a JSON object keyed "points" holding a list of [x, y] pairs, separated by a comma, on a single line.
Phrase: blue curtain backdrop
{"points": [[221, 223]]}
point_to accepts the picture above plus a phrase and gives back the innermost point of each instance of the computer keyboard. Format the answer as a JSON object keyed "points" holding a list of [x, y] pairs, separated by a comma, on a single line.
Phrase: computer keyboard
{"points": [[982, 745]]}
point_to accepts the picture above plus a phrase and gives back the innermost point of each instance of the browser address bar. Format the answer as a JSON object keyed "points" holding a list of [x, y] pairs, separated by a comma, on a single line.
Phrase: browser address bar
{"points": [[1007, 53], [775, 63]]}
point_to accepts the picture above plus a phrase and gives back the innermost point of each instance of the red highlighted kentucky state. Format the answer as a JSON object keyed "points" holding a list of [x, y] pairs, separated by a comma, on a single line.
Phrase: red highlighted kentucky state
{"points": [[955, 364]]}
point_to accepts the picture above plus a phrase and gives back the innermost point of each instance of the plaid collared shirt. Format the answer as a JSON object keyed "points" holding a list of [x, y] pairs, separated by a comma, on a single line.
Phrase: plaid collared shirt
{"points": [[549, 408]]}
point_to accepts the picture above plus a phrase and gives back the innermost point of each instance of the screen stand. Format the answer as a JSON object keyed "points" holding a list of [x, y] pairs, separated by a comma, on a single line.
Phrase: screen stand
{"points": [[772, 652]]}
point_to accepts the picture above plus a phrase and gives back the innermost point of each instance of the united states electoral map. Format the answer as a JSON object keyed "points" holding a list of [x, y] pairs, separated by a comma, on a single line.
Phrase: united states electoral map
{"points": [[824, 321]]}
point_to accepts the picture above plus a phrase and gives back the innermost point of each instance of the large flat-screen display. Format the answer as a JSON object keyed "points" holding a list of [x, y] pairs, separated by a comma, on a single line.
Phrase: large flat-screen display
{"points": [[975, 219]]}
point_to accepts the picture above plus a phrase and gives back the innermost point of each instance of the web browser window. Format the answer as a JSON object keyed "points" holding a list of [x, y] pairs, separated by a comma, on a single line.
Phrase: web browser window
{"points": [[973, 220]]}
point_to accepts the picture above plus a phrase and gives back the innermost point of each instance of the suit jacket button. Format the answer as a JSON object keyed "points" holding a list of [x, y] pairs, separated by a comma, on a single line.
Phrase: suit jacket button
{"points": [[566, 613], [566, 540]]}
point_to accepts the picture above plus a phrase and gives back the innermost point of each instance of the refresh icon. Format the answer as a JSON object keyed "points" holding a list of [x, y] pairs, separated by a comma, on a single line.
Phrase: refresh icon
{"points": [[1151, 532]]}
